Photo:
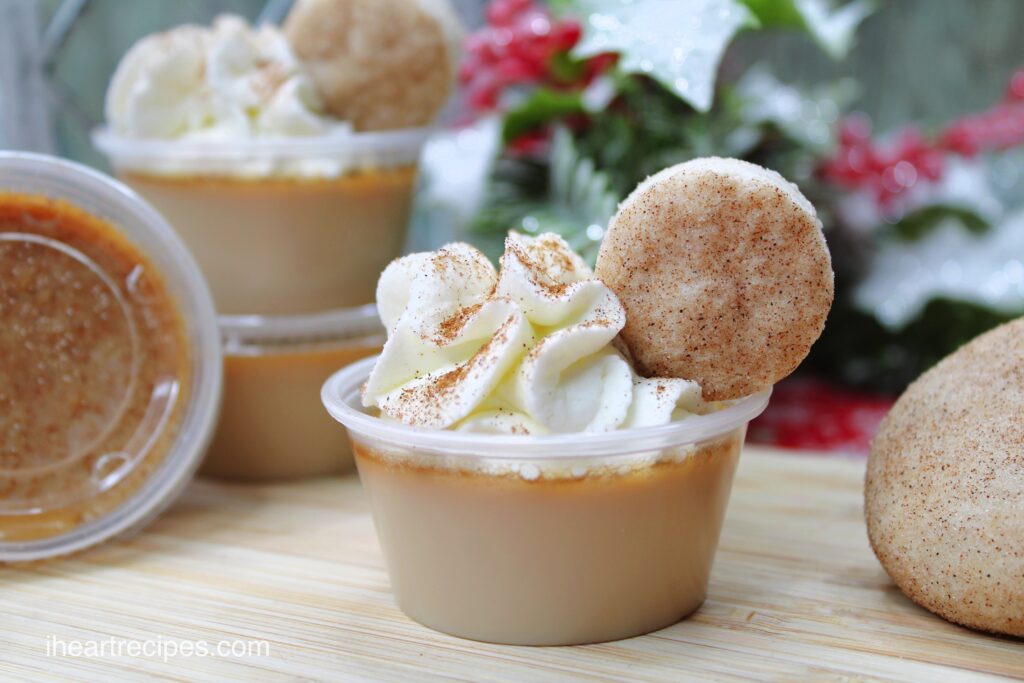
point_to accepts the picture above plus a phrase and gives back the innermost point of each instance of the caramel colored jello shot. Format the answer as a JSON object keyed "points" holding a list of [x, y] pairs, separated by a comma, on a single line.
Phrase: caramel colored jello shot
{"points": [[272, 426], [545, 539], [532, 480], [527, 485], [109, 359], [285, 244], [287, 208]]}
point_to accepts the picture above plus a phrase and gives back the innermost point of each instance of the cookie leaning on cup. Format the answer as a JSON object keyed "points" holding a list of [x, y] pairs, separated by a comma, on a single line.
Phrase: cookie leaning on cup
{"points": [[944, 492], [724, 273], [380, 64]]}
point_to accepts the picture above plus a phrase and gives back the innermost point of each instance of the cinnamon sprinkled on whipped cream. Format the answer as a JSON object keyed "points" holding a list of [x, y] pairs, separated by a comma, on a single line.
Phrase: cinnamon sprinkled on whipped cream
{"points": [[527, 350]]}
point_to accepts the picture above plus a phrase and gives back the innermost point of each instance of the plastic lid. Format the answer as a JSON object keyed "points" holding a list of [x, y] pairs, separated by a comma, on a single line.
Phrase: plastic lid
{"points": [[110, 364], [312, 156]]}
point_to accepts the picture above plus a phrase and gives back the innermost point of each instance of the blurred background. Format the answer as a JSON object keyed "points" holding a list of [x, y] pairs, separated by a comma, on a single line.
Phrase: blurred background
{"points": [[903, 121]]}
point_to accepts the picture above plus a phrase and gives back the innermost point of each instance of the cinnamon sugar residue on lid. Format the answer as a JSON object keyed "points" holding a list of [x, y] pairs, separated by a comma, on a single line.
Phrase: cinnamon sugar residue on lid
{"points": [[91, 344]]}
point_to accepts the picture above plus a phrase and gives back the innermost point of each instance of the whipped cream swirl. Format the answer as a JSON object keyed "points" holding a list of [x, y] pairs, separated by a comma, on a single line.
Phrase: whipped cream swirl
{"points": [[224, 82], [530, 350]]}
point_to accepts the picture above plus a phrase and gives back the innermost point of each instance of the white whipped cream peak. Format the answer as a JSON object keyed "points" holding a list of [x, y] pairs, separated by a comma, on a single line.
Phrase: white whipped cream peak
{"points": [[529, 350], [228, 81]]}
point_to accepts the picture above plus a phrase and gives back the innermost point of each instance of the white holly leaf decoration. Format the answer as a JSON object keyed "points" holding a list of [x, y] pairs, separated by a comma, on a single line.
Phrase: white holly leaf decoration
{"points": [[833, 29], [678, 43], [831, 26], [806, 115]]}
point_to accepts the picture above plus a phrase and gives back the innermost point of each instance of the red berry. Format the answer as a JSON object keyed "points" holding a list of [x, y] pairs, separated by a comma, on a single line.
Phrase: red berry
{"points": [[483, 98], [516, 71], [567, 34], [597, 65], [516, 47], [504, 12], [854, 129], [1015, 93], [885, 173], [531, 143]]}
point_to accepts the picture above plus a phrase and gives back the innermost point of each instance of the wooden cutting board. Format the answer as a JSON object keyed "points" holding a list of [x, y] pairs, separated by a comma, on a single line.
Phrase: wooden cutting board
{"points": [[795, 594]]}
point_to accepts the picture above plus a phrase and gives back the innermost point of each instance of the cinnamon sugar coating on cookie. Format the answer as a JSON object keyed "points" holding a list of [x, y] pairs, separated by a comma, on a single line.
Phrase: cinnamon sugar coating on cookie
{"points": [[944, 492], [380, 64], [724, 273]]}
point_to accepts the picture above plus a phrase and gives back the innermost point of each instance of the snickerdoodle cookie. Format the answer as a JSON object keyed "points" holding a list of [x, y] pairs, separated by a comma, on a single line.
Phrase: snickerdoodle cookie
{"points": [[724, 273], [380, 64], [944, 494]]}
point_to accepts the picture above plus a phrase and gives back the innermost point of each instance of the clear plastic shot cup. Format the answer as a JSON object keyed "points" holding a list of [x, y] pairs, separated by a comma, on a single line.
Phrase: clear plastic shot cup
{"points": [[281, 226], [272, 426], [110, 361], [545, 540]]}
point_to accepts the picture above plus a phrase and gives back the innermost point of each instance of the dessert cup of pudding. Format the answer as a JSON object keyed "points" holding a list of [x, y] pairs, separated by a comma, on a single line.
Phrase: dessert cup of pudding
{"points": [[288, 207], [527, 485], [548, 458], [281, 226], [110, 362], [555, 539], [273, 370]]}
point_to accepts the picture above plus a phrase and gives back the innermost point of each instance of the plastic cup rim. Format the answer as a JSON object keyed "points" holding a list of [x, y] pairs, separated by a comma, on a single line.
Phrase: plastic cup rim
{"points": [[405, 140], [340, 397]]}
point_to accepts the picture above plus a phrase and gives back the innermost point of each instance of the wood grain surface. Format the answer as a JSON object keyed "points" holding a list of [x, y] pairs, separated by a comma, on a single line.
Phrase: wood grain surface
{"points": [[796, 594]]}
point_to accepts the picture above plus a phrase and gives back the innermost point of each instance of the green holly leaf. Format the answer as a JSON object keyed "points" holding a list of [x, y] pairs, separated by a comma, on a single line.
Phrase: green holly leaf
{"points": [[583, 195], [921, 222], [859, 351], [680, 44], [542, 106], [831, 27]]}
